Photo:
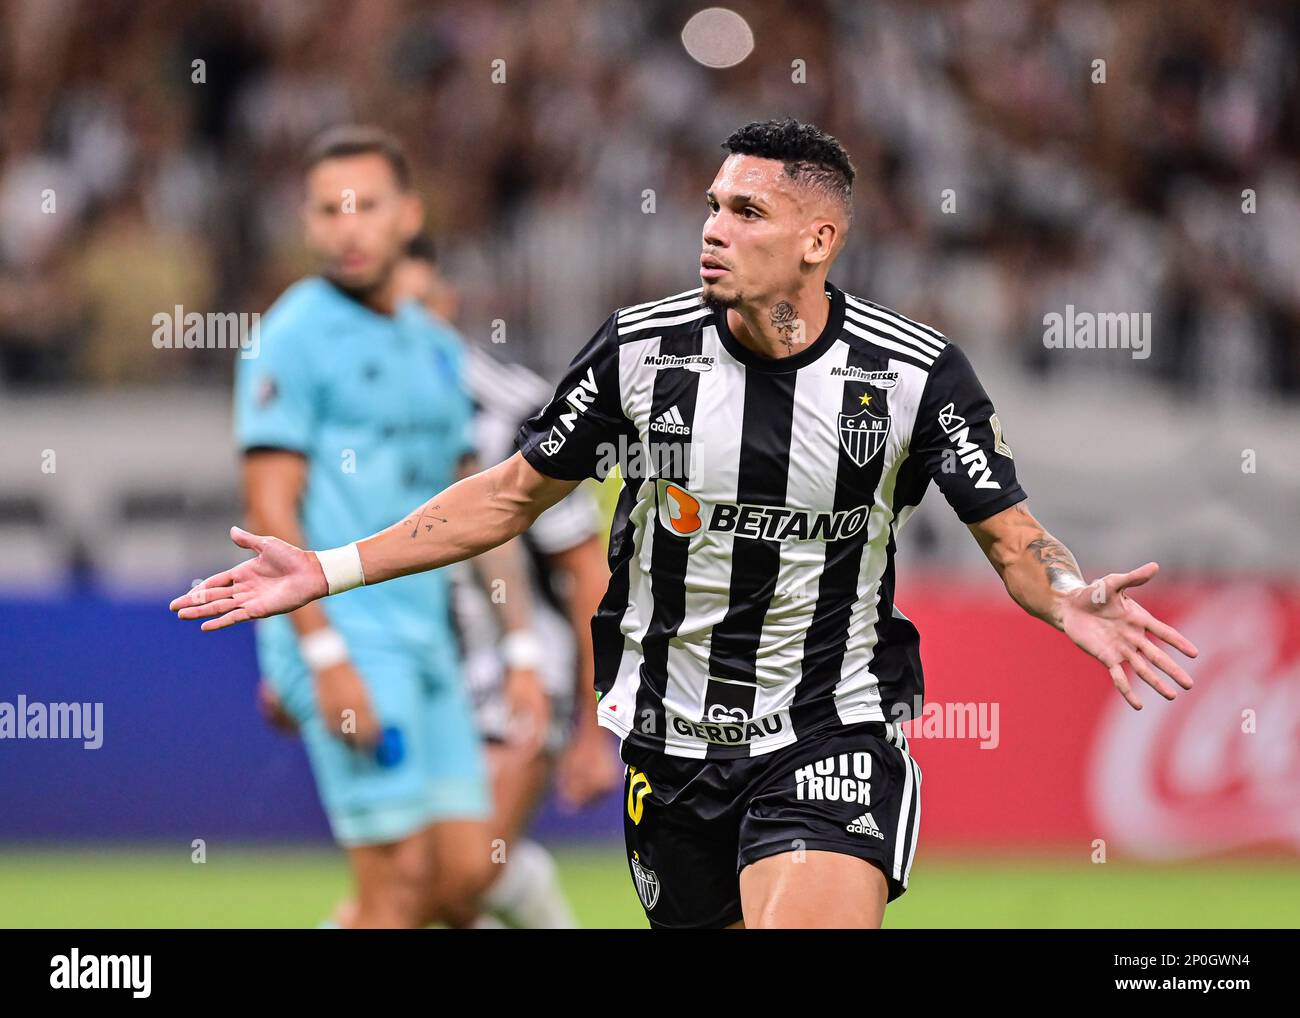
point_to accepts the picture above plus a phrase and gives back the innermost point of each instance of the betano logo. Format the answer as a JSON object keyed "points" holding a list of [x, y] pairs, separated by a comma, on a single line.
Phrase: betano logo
{"points": [[684, 513]]}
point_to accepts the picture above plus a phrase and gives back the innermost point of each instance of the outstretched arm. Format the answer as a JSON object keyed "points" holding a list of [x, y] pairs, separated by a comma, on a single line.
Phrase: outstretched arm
{"points": [[473, 515], [1042, 576]]}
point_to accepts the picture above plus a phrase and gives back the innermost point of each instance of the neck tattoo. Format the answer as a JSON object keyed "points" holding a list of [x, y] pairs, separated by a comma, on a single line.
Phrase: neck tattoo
{"points": [[785, 319]]}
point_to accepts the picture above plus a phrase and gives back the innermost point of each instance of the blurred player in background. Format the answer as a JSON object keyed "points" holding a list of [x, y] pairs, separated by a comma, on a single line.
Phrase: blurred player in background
{"points": [[355, 406], [569, 575]]}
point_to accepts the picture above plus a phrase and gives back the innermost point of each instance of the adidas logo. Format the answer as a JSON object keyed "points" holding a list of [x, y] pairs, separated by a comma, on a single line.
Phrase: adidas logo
{"points": [[671, 421], [865, 824]]}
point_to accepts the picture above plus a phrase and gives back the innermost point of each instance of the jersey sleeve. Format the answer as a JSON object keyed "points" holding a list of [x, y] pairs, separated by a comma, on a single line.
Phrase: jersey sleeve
{"points": [[275, 399], [958, 437], [572, 437]]}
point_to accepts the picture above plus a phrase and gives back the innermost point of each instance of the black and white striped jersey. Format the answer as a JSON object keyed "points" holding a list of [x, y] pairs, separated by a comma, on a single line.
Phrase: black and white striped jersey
{"points": [[752, 596]]}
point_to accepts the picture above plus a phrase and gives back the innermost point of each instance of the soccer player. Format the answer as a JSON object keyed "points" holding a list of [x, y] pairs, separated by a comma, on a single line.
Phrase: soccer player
{"points": [[568, 575], [356, 407], [775, 432]]}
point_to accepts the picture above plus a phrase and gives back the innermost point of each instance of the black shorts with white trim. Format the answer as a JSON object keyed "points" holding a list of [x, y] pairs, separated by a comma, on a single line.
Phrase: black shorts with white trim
{"points": [[692, 825]]}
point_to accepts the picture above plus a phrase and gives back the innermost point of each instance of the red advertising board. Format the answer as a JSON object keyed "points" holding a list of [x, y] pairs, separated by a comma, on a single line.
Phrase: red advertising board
{"points": [[1024, 741]]}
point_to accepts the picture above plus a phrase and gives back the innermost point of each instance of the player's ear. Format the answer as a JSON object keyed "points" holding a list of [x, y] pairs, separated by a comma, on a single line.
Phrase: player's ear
{"points": [[412, 214], [821, 242]]}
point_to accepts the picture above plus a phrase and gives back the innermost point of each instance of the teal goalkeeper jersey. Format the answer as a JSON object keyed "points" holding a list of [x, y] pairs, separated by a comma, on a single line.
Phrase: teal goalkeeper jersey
{"points": [[378, 408]]}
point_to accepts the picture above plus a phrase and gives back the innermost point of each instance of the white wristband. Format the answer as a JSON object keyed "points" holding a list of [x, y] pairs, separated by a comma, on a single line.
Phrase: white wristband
{"points": [[323, 649], [342, 567], [1068, 583], [521, 649]]}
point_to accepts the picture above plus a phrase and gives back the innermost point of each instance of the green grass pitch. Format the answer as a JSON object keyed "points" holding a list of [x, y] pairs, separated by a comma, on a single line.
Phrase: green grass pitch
{"points": [[287, 887]]}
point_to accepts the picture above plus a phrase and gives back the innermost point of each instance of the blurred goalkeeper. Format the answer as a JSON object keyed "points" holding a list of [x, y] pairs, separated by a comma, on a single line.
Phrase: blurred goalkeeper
{"points": [[569, 575], [356, 406]]}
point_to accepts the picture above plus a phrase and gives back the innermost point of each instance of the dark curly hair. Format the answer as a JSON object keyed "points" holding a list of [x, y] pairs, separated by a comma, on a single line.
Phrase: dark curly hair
{"points": [[356, 140], [811, 156]]}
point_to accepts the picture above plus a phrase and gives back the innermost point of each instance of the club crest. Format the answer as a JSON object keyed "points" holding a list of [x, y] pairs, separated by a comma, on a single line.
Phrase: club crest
{"points": [[863, 435], [647, 883]]}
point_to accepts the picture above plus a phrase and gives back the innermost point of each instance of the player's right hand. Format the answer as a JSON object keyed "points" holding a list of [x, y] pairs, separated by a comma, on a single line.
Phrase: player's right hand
{"points": [[280, 579], [345, 707]]}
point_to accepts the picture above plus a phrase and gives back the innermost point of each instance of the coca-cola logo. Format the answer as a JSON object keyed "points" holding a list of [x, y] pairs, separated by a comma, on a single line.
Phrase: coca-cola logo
{"points": [[1218, 768]]}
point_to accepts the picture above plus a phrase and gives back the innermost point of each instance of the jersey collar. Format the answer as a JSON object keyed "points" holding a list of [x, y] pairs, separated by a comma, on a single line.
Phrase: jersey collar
{"points": [[781, 365], [358, 304]]}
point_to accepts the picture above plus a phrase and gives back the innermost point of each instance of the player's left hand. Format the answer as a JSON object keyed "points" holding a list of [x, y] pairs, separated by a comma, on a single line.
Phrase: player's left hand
{"points": [[1103, 620], [530, 708]]}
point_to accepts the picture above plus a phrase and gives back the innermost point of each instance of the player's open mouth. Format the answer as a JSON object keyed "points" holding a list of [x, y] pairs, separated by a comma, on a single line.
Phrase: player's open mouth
{"points": [[711, 268]]}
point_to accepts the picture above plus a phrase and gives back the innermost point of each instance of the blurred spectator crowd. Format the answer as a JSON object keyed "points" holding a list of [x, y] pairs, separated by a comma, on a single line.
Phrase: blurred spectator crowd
{"points": [[999, 180]]}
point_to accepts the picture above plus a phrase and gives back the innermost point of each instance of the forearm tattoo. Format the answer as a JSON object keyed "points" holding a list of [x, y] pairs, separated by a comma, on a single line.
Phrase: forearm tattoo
{"points": [[424, 519], [1063, 573]]}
